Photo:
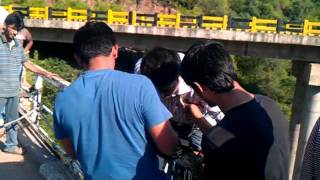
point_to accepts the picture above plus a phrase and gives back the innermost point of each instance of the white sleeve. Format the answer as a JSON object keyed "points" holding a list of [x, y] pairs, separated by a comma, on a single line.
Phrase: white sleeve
{"points": [[137, 66]]}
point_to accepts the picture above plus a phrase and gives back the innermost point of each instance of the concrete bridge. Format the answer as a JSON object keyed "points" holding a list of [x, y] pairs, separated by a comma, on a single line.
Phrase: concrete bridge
{"points": [[267, 45], [304, 51]]}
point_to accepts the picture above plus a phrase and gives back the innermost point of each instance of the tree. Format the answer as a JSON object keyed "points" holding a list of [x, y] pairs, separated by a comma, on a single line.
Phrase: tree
{"points": [[215, 7]]}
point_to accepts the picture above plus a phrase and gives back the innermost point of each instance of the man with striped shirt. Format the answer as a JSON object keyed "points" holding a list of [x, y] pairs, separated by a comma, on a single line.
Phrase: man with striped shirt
{"points": [[12, 59]]}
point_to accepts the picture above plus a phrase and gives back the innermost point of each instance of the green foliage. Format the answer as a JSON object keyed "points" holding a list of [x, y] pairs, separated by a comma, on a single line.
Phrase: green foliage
{"points": [[214, 7], [63, 68], [188, 4], [62, 4], [25, 3], [303, 9]]}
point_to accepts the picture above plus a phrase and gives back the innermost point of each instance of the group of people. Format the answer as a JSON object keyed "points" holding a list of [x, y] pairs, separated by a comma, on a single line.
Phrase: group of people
{"points": [[117, 124]]}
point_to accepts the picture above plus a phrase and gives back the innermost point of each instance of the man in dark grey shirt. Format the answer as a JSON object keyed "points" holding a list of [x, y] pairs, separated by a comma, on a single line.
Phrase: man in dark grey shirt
{"points": [[251, 142]]}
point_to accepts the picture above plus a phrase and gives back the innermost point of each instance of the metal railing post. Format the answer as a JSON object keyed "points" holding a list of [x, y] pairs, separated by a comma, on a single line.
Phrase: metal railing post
{"points": [[200, 21], [69, 14], [50, 13], [229, 25], [306, 27], [89, 13], [110, 16], [46, 13], [155, 21], [253, 24], [279, 25], [133, 18], [28, 12], [178, 20], [225, 22]]}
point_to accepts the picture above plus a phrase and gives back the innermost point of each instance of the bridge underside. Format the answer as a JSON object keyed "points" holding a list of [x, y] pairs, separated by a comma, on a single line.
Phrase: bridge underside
{"points": [[144, 41]]}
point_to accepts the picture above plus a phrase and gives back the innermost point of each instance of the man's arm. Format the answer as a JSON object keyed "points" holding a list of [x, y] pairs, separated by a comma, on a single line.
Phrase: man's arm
{"points": [[67, 145], [165, 138], [198, 116], [30, 66], [29, 41], [28, 46]]}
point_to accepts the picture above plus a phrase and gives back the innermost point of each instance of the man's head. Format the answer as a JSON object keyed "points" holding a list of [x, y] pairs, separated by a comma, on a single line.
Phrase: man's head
{"points": [[208, 65], [12, 23], [92, 40], [20, 17], [162, 66]]}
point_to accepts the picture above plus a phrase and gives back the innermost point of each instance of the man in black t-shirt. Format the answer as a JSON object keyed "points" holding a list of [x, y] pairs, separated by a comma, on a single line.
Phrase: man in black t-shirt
{"points": [[251, 142]]}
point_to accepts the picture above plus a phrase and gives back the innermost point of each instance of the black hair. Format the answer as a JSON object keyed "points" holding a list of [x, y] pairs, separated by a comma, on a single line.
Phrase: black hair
{"points": [[161, 66], [127, 58], [92, 40], [13, 19], [209, 64], [20, 17]]}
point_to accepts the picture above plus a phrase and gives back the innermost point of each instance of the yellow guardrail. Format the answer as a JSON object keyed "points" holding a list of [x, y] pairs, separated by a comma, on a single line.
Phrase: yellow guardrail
{"points": [[59, 14], [118, 17], [39, 13], [170, 20], [9, 8], [294, 27], [142, 20], [190, 22], [269, 25], [214, 22], [311, 28], [77, 14]]}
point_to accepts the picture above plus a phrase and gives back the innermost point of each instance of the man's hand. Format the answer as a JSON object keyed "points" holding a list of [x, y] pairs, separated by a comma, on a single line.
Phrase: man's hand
{"points": [[196, 114], [194, 111], [191, 108]]}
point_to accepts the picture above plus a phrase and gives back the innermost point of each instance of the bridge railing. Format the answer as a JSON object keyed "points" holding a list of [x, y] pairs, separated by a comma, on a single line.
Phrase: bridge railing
{"points": [[254, 25], [269, 25], [214, 22], [39, 120]]}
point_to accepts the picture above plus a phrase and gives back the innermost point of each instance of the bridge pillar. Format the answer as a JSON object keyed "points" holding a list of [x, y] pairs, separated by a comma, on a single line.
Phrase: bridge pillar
{"points": [[305, 111]]}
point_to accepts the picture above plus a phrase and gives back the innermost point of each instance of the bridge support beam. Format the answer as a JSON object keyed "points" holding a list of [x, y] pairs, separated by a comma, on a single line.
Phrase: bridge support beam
{"points": [[305, 111]]}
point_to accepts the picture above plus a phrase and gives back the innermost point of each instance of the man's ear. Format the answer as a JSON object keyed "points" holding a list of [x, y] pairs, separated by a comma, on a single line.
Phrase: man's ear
{"points": [[198, 87], [114, 51]]}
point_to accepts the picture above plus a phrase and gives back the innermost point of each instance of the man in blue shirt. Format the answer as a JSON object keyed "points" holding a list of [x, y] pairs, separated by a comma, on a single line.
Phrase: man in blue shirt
{"points": [[112, 122]]}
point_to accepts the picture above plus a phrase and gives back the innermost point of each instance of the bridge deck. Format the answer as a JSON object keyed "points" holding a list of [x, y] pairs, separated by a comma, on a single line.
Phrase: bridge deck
{"points": [[36, 164], [16, 167]]}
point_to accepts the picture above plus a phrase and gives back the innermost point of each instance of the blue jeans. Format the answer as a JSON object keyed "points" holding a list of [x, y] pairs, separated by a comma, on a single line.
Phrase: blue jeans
{"points": [[189, 133], [11, 113], [2, 113]]}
